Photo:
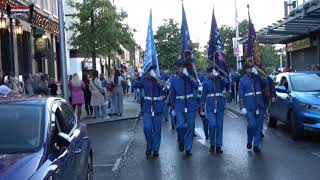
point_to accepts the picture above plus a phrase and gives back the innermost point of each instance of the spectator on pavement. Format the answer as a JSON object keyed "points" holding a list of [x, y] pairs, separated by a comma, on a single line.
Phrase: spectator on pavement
{"points": [[28, 84], [97, 94], [87, 95], [104, 86], [39, 86], [118, 93], [77, 88], [53, 87]]}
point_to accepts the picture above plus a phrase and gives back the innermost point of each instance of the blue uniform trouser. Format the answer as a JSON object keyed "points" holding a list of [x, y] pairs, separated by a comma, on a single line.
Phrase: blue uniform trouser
{"points": [[152, 130], [255, 125], [165, 111], [185, 128], [215, 121], [205, 126]]}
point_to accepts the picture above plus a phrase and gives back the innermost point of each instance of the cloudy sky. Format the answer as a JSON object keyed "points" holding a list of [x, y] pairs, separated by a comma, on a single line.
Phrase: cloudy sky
{"points": [[199, 13]]}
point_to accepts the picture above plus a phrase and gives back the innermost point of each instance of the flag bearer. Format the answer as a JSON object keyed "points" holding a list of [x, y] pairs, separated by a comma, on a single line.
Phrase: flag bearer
{"points": [[185, 106], [252, 104], [213, 103]]}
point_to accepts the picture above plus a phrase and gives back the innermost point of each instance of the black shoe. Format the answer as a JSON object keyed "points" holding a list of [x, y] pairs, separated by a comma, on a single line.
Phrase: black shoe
{"points": [[172, 127], [207, 137], [256, 149], [249, 146], [148, 153], [211, 149], [166, 119], [219, 150], [109, 114], [188, 153], [156, 154], [262, 135], [181, 147], [194, 135]]}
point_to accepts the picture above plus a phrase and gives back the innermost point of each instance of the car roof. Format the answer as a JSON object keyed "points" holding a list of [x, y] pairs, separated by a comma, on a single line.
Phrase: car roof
{"points": [[25, 99], [298, 73]]}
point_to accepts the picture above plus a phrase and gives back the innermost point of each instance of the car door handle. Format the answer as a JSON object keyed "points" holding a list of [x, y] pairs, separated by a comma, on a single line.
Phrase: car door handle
{"points": [[77, 151]]}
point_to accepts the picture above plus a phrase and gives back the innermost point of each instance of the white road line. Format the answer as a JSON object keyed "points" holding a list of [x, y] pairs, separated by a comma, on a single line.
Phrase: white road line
{"points": [[316, 154], [203, 140], [103, 165], [231, 114], [116, 165], [200, 132]]}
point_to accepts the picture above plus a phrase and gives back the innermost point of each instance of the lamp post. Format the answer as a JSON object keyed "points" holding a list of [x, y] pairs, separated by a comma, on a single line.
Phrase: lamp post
{"points": [[3, 22]]}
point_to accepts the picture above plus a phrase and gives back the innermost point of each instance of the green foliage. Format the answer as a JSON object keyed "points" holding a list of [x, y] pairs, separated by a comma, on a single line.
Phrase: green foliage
{"points": [[109, 29], [167, 40]]}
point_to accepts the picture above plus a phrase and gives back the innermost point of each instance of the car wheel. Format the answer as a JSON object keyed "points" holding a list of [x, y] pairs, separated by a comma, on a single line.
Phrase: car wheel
{"points": [[295, 127], [272, 122], [90, 167]]}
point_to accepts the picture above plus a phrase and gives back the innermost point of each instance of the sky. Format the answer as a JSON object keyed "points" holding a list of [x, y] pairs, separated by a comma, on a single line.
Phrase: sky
{"points": [[199, 14]]}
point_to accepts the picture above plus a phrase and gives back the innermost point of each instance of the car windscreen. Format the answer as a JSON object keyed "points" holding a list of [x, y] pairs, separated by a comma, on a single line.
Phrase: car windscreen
{"points": [[305, 82], [20, 128]]}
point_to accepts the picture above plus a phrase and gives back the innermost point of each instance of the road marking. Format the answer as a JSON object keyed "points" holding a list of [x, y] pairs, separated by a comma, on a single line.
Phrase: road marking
{"points": [[103, 165], [116, 165], [316, 154], [231, 114], [202, 139]]}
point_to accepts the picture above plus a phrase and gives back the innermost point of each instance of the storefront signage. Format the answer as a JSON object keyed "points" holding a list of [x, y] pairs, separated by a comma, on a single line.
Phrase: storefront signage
{"points": [[41, 45], [43, 22], [298, 45]]}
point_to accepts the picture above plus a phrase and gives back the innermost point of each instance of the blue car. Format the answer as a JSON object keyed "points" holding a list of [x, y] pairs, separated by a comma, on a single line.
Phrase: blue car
{"points": [[298, 102], [40, 138]]}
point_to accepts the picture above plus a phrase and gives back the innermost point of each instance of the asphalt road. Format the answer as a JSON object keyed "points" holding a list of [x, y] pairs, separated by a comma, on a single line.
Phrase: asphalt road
{"points": [[281, 157]]}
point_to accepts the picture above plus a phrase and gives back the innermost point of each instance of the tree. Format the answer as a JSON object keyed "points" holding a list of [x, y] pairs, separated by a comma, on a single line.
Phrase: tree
{"points": [[167, 40], [98, 28]]}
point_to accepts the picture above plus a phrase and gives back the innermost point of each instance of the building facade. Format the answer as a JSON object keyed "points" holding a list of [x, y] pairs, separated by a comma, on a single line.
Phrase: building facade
{"points": [[29, 39]]}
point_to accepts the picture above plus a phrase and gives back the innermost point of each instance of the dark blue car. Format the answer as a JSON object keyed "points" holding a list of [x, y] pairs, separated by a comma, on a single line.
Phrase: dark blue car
{"points": [[40, 138], [298, 102]]}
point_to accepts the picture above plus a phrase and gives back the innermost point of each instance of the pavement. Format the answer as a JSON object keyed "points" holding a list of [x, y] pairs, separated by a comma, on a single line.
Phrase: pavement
{"points": [[131, 110]]}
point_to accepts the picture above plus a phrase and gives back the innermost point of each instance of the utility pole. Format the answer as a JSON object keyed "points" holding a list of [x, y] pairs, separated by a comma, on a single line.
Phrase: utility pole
{"points": [[93, 53], [63, 51]]}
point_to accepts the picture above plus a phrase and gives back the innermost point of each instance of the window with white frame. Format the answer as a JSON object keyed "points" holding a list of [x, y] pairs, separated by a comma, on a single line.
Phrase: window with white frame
{"points": [[55, 8], [37, 3], [46, 5]]}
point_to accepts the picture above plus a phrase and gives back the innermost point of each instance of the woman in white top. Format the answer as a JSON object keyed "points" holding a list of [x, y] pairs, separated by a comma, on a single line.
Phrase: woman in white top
{"points": [[117, 93]]}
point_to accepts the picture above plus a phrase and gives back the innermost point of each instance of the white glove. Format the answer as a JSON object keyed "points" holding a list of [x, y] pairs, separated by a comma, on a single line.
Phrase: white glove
{"points": [[152, 73], [200, 88], [173, 113], [244, 111], [254, 71], [185, 72], [215, 73]]}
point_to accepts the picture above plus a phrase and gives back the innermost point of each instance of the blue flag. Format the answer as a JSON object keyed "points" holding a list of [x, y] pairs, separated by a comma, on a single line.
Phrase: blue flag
{"points": [[215, 50], [254, 55], [186, 54], [150, 57]]}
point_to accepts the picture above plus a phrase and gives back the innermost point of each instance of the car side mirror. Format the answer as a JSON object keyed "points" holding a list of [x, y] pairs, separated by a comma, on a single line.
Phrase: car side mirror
{"points": [[281, 89], [63, 140]]}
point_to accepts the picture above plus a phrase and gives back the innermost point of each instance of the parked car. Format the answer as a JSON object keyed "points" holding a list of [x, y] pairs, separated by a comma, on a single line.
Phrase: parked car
{"points": [[40, 138], [298, 102]]}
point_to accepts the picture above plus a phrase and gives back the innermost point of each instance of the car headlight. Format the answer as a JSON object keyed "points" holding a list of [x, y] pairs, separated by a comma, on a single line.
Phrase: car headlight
{"points": [[310, 106]]}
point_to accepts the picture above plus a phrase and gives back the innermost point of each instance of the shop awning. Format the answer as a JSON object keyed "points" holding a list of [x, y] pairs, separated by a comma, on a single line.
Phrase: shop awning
{"points": [[301, 22]]}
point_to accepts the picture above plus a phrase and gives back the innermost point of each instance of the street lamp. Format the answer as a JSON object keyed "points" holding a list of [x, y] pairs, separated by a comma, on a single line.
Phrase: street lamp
{"points": [[19, 29], [3, 22]]}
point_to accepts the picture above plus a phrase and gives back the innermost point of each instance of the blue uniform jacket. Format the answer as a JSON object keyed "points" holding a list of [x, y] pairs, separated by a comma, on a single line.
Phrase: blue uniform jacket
{"points": [[182, 86], [251, 101], [151, 89], [208, 90]]}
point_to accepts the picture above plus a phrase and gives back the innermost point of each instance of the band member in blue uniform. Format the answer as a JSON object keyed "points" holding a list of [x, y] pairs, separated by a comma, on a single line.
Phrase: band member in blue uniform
{"points": [[252, 104], [213, 102], [185, 106], [152, 110]]}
